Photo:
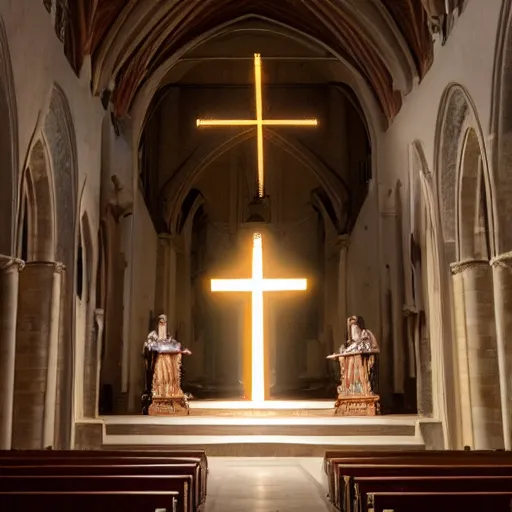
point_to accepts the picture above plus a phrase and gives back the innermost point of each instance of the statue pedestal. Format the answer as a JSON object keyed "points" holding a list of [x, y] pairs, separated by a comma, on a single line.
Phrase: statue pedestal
{"points": [[357, 405], [357, 392], [169, 406]]}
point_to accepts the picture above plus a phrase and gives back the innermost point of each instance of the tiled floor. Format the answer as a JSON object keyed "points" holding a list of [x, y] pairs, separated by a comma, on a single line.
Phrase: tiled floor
{"points": [[250, 484]]}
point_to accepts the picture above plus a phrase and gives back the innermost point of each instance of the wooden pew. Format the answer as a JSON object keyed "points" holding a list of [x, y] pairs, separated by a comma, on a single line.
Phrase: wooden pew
{"points": [[89, 501], [190, 469], [440, 502], [180, 484], [366, 486], [111, 458], [340, 468]]}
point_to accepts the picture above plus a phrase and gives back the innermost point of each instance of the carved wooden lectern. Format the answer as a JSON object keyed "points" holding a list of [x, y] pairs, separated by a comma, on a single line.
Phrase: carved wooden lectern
{"points": [[163, 395], [357, 392]]}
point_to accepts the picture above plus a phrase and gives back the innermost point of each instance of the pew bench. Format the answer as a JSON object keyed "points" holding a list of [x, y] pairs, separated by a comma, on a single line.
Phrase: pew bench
{"points": [[439, 501], [112, 458], [340, 469], [366, 486], [190, 469], [93, 501], [180, 484]]}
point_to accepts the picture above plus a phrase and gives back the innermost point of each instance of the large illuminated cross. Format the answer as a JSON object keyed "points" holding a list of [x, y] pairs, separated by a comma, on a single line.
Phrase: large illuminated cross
{"points": [[259, 122], [256, 285]]}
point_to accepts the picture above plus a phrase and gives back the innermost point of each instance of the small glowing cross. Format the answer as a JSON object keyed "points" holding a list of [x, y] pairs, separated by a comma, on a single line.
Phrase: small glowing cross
{"points": [[256, 285], [259, 122]]}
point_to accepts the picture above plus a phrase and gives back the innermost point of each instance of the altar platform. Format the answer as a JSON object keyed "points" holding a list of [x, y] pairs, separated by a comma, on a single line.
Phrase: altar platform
{"points": [[267, 429]]}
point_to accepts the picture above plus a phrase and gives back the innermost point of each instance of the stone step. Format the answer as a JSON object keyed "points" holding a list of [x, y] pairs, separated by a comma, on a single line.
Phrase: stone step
{"points": [[263, 446], [291, 426]]}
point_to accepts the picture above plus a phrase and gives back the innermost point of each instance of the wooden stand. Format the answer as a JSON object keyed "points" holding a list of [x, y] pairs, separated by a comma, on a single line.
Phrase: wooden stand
{"points": [[357, 392], [169, 406], [357, 406]]}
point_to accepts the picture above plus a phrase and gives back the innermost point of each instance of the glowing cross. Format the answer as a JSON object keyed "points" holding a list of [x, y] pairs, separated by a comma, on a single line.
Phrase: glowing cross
{"points": [[256, 285], [259, 122]]}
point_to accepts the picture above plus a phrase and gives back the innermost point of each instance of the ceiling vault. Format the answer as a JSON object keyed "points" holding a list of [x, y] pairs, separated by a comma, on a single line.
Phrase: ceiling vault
{"points": [[385, 43]]}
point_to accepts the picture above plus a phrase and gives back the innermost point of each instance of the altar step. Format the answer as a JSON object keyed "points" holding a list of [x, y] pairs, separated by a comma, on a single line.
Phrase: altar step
{"points": [[268, 430]]}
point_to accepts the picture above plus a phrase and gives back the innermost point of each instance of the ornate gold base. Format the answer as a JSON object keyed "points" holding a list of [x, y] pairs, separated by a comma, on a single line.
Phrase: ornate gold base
{"points": [[169, 406], [357, 405]]}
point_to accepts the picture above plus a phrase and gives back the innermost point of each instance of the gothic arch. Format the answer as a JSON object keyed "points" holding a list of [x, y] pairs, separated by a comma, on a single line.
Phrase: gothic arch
{"points": [[467, 215], [501, 128], [442, 381], [59, 133], [141, 101], [8, 148], [457, 113], [175, 190], [37, 225]]}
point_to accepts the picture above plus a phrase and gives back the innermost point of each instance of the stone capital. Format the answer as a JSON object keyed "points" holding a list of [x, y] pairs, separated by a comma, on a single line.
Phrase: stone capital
{"points": [[99, 315], [342, 241], [504, 259], [461, 266], [59, 267], [10, 264]]}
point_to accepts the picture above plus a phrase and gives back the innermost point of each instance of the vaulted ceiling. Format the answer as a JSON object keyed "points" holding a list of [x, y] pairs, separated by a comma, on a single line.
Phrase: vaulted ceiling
{"points": [[385, 43]]}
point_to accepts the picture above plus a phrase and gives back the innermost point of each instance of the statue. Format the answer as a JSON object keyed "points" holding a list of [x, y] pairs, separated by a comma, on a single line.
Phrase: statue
{"points": [[163, 356], [358, 358]]}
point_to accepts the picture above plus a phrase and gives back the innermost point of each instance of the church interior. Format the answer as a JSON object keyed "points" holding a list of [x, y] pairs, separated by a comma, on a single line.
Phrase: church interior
{"points": [[269, 233]]}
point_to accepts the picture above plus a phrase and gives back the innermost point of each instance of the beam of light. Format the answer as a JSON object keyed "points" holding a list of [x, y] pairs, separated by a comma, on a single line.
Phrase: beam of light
{"points": [[259, 122], [205, 123], [259, 126], [279, 285], [257, 285]]}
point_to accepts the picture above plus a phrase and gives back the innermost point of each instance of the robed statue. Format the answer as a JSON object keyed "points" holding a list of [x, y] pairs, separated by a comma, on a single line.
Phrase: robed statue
{"points": [[358, 360], [163, 369]]}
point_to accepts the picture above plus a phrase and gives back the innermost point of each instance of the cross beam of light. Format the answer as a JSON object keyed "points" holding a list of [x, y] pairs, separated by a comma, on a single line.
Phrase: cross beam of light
{"points": [[259, 122], [257, 285]]}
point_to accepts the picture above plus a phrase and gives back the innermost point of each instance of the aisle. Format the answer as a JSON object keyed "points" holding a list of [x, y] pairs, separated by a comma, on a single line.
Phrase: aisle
{"points": [[253, 484]]}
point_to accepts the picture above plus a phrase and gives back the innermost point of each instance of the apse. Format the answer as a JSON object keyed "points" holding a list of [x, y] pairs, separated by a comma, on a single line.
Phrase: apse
{"points": [[222, 159]]}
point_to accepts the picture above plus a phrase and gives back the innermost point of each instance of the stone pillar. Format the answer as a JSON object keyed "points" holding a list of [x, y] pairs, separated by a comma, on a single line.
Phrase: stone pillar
{"points": [[111, 371], [53, 352], [9, 281], [343, 243], [502, 279], [37, 339], [481, 362], [462, 360], [166, 281], [99, 316]]}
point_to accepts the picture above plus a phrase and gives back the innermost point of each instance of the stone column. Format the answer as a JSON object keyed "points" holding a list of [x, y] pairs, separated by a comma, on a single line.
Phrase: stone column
{"points": [[462, 359], [481, 362], [9, 280], [37, 344], [53, 352], [343, 243], [502, 279], [99, 315], [166, 281]]}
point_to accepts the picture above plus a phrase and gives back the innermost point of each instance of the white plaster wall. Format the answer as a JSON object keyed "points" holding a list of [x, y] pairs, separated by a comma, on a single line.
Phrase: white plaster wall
{"points": [[143, 294], [467, 59], [38, 62], [363, 266]]}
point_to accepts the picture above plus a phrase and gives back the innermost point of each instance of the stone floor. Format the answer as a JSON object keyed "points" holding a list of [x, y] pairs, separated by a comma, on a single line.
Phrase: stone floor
{"points": [[253, 484]]}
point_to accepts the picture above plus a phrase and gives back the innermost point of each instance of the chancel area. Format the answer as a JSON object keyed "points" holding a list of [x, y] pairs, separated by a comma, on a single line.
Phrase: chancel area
{"points": [[256, 229]]}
